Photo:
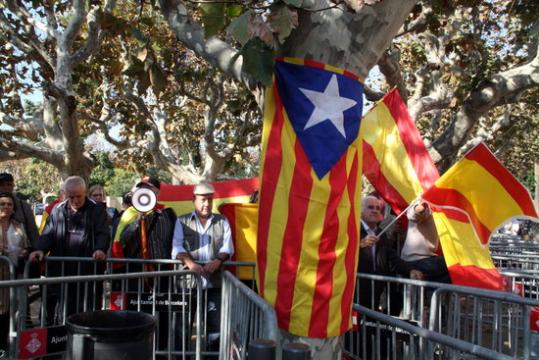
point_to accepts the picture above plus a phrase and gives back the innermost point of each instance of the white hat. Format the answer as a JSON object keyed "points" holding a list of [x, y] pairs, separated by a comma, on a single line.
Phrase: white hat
{"points": [[203, 189]]}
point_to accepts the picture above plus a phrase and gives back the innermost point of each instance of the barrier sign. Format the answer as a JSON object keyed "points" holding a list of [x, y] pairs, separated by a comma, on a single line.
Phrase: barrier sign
{"points": [[131, 301], [42, 341], [534, 318]]}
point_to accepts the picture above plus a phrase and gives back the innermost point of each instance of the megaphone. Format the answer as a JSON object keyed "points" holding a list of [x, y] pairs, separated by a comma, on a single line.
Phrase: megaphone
{"points": [[143, 200]]}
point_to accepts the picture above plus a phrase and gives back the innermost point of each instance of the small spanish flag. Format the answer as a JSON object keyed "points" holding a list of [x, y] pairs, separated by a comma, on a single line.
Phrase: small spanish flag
{"points": [[480, 191]]}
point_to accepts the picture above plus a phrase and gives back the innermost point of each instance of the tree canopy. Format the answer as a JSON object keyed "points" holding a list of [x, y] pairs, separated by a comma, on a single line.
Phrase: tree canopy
{"points": [[179, 85]]}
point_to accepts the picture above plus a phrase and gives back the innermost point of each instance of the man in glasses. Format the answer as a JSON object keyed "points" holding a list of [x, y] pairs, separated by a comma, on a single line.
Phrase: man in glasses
{"points": [[376, 255]]}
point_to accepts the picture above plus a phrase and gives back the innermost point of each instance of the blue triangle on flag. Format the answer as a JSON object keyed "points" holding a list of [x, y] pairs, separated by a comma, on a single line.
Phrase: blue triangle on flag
{"points": [[325, 110]]}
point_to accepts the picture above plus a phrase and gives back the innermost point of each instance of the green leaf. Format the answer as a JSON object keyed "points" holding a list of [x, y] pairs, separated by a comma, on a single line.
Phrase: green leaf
{"points": [[239, 28], [283, 21], [213, 18], [258, 60], [233, 11]]}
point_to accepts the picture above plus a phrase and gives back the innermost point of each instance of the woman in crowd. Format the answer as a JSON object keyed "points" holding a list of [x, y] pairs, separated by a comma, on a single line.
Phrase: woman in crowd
{"points": [[14, 244], [97, 194]]}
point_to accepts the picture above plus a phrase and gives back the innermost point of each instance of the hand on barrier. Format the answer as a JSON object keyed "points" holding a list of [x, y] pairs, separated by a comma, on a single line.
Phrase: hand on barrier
{"points": [[37, 255], [99, 255], [416, 275], [211, 266]]}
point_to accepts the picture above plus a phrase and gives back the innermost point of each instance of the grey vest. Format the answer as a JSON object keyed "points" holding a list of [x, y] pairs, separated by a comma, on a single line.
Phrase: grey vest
{"points": [[191, 239]]}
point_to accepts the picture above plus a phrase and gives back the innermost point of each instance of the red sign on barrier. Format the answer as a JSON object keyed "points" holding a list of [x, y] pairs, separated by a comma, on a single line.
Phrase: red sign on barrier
{"points": [[518, 288], [32, 343], [355, 320], [117, 301], [534, 318]]}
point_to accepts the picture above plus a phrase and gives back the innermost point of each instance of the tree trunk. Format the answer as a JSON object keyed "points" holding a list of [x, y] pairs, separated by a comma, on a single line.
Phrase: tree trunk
{"points": [[349, 40]]}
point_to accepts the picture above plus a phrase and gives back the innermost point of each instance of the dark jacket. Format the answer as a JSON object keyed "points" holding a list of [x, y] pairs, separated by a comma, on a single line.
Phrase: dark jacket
{"points": [[96, 232], [388, 263], [24, 215], [387, 260], [159, 229]]}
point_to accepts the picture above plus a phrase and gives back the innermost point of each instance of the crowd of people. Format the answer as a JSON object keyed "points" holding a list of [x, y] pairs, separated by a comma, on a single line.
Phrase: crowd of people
{"points": [[81, 225]]}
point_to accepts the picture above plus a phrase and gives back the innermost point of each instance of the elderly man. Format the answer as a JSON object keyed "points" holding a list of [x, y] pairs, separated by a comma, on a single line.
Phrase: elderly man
{"points": [[206, 237], [77, 227], [376, 255]]}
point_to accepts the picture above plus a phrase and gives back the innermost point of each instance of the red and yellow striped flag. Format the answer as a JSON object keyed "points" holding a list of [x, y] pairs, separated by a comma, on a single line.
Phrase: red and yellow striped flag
{"points": [[480, 190], [308, 230], [243, 225], [395, 159], [398, 165]]}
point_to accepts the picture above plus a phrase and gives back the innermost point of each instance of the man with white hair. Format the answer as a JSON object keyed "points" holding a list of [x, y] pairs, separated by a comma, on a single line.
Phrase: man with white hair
{"points": [[77, 227]]}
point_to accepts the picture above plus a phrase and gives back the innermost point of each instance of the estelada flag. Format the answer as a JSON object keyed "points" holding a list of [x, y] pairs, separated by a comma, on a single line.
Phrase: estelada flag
{"points": [[310, 188], [477, 189], [395, 160]]}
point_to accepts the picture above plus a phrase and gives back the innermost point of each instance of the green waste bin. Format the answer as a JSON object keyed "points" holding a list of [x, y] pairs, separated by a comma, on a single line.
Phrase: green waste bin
{"points": [[108, 334]]}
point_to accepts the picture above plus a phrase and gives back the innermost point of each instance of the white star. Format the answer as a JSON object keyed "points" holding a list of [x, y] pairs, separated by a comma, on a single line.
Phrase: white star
{"points": [[328, 105]]}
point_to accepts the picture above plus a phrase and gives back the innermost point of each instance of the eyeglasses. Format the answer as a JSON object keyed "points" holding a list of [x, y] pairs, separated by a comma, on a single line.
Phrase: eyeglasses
{"points": [[374, 207], [8, 204]]}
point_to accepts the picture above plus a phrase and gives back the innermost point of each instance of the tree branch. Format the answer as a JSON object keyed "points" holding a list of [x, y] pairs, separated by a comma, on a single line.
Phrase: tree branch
{"points": [[503, 88], [25, 149], [27, 45], [31, 128], [217, 52], [95, 36], [75, 23], [389, 64]]}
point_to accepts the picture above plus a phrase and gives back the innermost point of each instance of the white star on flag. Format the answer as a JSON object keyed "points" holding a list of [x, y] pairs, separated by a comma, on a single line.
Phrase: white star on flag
{"points": [[328, 105]]}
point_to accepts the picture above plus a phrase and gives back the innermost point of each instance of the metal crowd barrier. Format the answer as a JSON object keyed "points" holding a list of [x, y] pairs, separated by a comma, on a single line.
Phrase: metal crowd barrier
{"points": [[492, 319], [523, 282], [245, 317], [149, 304], [83, 284], [387, 337], [511, 262], [8, 297], [495, 320]]}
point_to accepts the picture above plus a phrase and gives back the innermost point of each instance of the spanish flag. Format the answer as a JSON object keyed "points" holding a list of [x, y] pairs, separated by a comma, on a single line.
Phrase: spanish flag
{"points": [[398, 165], [310, 188], [395, 159], [480, 191]]}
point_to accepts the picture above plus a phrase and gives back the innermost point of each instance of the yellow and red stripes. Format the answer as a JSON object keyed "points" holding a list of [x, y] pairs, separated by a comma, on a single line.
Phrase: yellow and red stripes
{"points": [[307, 231], [395, 159], [480, 186]]}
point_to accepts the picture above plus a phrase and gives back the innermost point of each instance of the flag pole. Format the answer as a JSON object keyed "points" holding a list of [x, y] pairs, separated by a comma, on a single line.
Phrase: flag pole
{"points": [[413, 203]]}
